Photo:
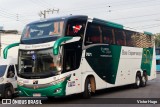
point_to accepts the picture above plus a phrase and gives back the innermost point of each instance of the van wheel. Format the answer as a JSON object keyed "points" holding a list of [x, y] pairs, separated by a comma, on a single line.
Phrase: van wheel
{"points": [[137, 81], [143, 80], [8, 93], [87, 89]]}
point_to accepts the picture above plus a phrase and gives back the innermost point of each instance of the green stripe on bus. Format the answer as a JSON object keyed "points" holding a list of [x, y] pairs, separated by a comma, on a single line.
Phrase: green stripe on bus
{"points": [[109, 23], [5, 51], [148, 33], [116, 52], [104, 60], [112, 24], [47, 91]]}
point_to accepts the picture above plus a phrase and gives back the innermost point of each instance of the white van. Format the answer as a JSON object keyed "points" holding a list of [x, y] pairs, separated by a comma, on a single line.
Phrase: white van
{"points": [[8, 77]]}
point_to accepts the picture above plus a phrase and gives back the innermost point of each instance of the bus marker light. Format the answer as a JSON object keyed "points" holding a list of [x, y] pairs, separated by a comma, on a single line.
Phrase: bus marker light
{"points": [[57, 90]]}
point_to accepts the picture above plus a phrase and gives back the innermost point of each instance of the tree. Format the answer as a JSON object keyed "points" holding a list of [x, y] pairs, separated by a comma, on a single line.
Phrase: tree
{"points": [[157, 39]]}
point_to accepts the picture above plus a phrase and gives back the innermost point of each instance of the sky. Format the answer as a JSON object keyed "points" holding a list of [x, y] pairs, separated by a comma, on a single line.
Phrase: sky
{"points": [[139, 14]]}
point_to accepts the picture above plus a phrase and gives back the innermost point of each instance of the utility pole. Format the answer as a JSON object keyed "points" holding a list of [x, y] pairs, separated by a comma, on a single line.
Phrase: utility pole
{"points": [[44, 12]]}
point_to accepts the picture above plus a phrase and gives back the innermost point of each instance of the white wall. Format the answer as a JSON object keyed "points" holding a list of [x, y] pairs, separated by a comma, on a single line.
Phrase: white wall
{"points": [[7, 39]]}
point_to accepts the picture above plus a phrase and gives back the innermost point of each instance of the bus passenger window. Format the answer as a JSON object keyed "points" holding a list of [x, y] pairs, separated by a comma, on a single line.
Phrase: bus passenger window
{"points": [[119, 37], [107, 35], [129, 40], [93, 34]]}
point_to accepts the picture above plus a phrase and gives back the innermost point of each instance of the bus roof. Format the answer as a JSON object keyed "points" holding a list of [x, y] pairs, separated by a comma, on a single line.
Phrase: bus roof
{"points": [[60, 18], [109, 23], [120, 26]]}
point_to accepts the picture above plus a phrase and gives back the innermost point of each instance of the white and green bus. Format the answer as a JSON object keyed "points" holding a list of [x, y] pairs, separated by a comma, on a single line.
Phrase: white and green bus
{"points": [[79, 54]]}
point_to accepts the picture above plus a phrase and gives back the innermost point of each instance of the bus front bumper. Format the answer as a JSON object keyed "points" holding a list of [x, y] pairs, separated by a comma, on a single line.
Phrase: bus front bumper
{"points": [[54, 90]]}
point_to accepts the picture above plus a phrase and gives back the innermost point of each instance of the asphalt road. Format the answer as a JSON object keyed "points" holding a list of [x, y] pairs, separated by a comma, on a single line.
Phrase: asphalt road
{"points": [[107, 97]]}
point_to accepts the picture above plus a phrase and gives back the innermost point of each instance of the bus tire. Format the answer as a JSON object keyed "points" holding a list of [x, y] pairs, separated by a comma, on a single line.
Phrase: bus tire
{"points": [[143, 80], [8, 93], [137, 81], [87, 89]]}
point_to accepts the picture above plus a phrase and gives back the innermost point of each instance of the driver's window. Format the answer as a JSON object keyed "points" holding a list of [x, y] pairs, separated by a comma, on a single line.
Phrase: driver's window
{"points": [[11, 72], [76, 27]]}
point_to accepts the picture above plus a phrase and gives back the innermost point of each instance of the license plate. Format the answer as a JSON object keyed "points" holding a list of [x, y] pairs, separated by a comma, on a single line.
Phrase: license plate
{"points": [[36, 95]]}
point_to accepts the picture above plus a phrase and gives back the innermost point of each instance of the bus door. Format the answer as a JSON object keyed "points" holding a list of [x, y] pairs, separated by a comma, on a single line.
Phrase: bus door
{"points": [[71, 63]]}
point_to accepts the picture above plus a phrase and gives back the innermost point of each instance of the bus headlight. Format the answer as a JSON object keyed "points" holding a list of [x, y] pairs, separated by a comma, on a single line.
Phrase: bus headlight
{"points": [[57, 90], [58, 81], [1, 79]]}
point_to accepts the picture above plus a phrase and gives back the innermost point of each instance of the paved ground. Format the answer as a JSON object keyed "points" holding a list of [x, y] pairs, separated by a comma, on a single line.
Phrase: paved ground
{"points": [[125, 94]]}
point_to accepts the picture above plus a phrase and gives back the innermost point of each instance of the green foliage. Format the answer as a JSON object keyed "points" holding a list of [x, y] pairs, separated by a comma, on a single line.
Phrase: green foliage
{"points": [[157, 40]]}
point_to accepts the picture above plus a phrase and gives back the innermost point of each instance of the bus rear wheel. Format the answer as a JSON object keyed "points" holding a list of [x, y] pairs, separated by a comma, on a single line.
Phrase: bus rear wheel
{"points": [[137, 81], [143, 80], [87, 89]]}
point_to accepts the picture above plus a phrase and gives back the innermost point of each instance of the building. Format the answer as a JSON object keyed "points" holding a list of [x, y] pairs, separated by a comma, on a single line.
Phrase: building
{"points": [[5, 40], [158, 59]]}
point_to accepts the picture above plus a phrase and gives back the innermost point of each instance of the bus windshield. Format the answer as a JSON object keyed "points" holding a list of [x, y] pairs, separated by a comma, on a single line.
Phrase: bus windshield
{"points": [[39, 64], [43, 29]]}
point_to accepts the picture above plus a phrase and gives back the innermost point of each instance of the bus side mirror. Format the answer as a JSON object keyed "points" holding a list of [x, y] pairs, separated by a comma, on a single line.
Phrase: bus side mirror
{"points": [[5, 51]]}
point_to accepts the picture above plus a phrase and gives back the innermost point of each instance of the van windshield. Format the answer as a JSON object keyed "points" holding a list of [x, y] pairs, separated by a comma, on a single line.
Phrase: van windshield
{"points": [[2, 69]]}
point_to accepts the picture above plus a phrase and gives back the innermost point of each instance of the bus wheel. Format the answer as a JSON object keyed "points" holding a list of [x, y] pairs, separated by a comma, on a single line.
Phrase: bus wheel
{"points": [[8, 93], [137, 81], [87, 89], [143, 80]]}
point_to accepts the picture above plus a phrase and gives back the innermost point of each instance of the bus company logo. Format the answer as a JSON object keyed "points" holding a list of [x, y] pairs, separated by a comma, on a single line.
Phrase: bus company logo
{"points": [[105, 50], [147, 56], [27, 47], [6, 101], [35, 81], [77, 28], [19, 101]]}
